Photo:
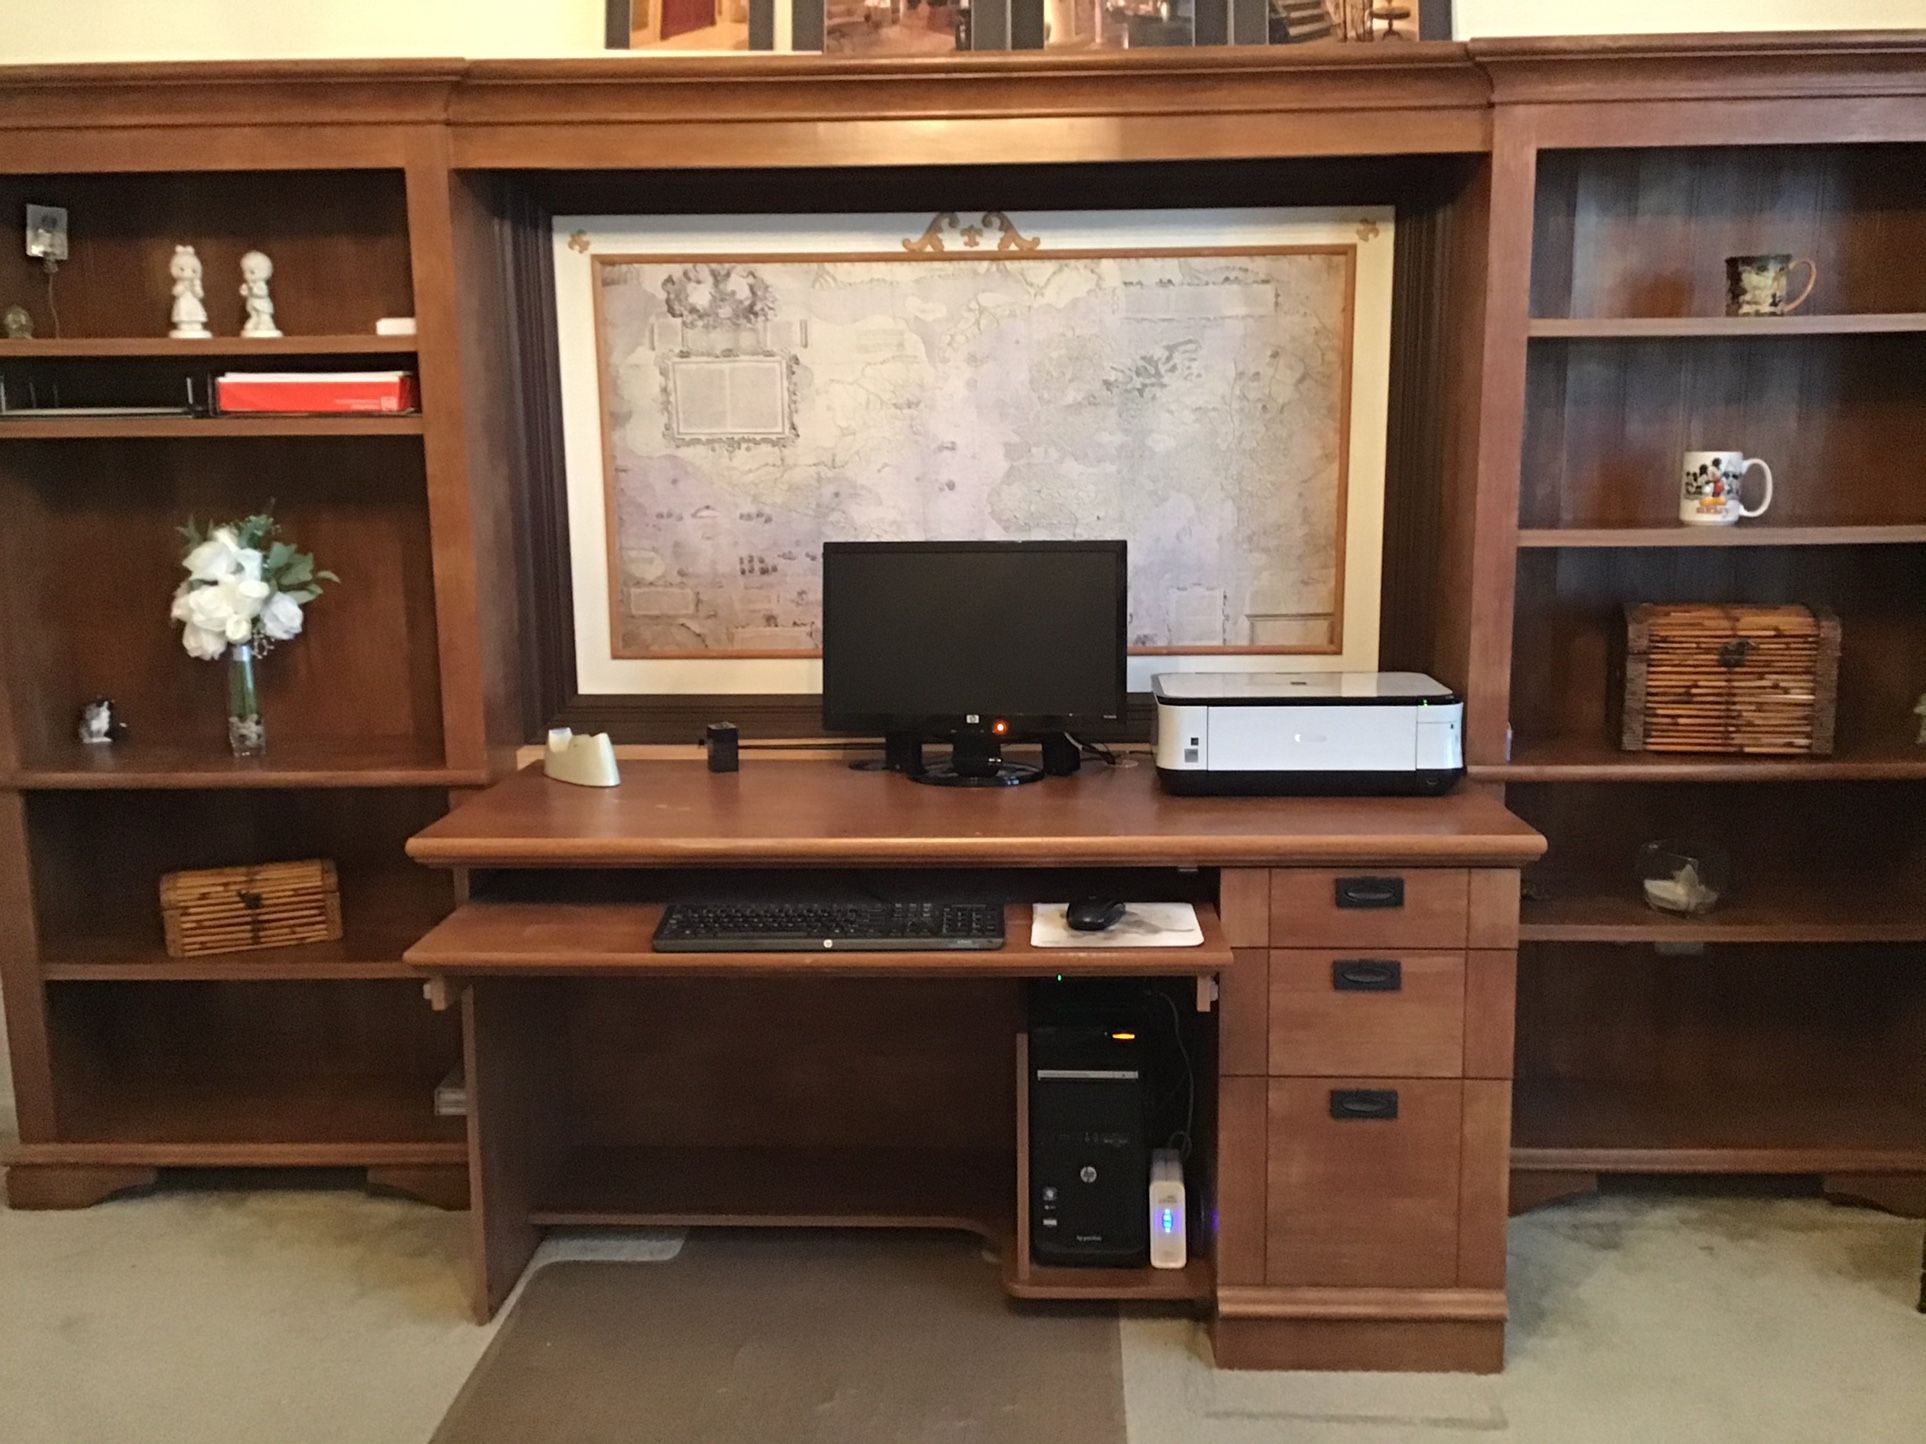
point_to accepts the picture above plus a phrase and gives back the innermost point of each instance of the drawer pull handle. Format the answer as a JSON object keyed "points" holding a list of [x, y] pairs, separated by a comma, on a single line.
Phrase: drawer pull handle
{"points": [[1350, 1105], [1370, 892], [1367, 975]]}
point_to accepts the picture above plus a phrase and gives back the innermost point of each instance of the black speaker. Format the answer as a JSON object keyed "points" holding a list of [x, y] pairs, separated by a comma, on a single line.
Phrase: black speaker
{"points": [[1089, 1155], [1061, 756]]}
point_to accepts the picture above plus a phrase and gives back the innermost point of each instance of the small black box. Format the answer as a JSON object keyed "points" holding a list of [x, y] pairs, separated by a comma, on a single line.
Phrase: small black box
{"points": [[723, 741]]}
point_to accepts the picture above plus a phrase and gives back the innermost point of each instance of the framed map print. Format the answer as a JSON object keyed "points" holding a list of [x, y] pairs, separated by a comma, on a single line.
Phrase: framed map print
{"points": [[1208, 386]]}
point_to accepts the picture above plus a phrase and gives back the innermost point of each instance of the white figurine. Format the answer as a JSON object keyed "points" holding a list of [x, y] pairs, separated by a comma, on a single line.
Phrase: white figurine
{"points": [[255, 270], [189, 316]]}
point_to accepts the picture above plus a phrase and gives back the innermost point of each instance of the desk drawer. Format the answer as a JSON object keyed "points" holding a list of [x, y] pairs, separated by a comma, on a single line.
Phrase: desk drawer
{"points": [[1363, 1182], [1393, 1012], [1369, 907]]}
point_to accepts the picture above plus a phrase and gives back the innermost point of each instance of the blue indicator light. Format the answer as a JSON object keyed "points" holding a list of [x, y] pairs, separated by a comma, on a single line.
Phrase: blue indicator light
{"points": [[1169, 1223]]}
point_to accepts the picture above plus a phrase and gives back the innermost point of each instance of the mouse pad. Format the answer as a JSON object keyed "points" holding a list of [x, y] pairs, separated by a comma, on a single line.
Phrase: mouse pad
{"points": [[1143, 925]]}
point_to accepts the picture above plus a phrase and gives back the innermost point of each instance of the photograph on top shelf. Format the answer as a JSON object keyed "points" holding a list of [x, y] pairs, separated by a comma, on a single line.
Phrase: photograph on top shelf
{"points": [[889, 29]]}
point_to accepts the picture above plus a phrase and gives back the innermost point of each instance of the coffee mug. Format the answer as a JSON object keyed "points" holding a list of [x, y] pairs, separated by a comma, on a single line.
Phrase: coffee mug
{"points": [[1757, 285], [1709, 490]]}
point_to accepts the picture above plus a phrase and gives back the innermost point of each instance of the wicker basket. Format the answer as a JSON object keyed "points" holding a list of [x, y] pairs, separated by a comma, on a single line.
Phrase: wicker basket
{"points": [[236, 909], [1748, 679]]}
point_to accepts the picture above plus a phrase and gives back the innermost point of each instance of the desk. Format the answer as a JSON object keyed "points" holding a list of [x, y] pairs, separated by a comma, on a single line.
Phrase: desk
{"points": [[609, 1084]]}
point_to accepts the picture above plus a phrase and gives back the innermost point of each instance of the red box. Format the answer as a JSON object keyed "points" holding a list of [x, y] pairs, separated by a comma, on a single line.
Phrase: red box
{"points": [[383, 393]]}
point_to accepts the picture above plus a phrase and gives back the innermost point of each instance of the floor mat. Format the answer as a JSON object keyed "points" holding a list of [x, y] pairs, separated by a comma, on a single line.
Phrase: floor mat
{"points": [[804, 1338]]}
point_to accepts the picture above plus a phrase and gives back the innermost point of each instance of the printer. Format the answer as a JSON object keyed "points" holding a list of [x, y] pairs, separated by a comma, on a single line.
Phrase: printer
{"points": [[1308, 733]]}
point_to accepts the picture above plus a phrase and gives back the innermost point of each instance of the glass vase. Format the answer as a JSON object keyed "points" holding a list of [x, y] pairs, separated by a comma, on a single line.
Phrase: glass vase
{"points": [[246, 732]]}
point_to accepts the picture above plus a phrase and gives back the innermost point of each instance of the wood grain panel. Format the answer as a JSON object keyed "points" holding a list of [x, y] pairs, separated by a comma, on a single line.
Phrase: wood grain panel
{"points": [[1242, 1148], [511, 1052], [677, 814], [1493, 905], [1484, 1177], [1414, 1031], [1305, 911], [1491, 989], [1244, 906], [1444, 1346], [1363, 1201], [1243, 1015]]}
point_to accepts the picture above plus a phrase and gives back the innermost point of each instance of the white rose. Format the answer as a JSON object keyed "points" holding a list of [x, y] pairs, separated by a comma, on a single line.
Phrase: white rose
{"points": [[281, 617], [229, 606], [217, 557], [248, 561], [202, 643], [182, 610]]}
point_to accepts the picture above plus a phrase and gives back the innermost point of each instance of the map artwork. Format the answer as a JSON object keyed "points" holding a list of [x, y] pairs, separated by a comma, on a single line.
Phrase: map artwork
{"points": [[1194, 404]]}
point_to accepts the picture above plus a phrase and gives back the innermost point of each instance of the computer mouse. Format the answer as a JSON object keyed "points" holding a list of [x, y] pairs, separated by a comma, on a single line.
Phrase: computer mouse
{"points": [[1092, 914]]}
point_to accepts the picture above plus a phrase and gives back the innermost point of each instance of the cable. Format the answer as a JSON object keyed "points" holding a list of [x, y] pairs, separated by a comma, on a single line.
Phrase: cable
{"points": [[1096, 751], [53, 310], [1190, 1077]]}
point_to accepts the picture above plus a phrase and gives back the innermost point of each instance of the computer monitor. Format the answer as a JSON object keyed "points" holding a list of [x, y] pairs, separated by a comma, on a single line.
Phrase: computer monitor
{"points": [[976, 642]]}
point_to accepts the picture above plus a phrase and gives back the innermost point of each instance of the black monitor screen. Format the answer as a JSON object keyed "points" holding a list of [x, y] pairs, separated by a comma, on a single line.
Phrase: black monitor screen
{"points": [[930, 634]]}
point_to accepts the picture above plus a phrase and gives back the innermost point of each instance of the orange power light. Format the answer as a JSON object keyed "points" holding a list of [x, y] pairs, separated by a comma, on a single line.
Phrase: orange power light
{"points": [[999, 726]]}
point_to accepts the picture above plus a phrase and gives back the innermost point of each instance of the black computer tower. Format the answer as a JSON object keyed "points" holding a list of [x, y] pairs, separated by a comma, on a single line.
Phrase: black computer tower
{"points": [[1089, 1150]]}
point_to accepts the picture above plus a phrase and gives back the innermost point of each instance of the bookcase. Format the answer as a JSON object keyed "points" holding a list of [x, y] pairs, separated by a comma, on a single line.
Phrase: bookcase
{"points": [[1784, 1032], [396, 700]]}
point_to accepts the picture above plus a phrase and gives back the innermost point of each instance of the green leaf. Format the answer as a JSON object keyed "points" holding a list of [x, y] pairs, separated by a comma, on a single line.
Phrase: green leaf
{"points": [[303, 595], [327, 576], [296, 570]]}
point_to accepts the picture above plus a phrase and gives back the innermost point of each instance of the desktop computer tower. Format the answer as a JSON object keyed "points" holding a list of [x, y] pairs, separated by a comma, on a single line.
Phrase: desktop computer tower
{"points": [[1089, 1145]]}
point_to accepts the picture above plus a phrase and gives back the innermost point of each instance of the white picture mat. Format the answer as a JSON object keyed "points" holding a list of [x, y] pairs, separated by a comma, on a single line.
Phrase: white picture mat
{"points": [[578, 239]]}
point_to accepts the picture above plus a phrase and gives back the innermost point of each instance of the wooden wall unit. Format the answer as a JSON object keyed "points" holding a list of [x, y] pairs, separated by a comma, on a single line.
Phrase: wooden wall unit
{"points": [[1564, 208], [1781, 1033], [125, 1060]]}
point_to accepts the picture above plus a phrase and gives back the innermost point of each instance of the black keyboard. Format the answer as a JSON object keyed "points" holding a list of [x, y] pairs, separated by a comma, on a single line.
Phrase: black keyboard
{"points": [[872, 927]]}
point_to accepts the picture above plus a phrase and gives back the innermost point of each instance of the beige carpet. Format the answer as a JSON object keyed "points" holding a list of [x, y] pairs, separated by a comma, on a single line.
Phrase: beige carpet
{"points": [[807, 1338], [322, 1316]]}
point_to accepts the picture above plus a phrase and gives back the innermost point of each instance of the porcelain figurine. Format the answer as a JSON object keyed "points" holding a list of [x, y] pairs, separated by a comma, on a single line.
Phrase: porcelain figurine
{"points": [[256, 269], [19, 324], [189, 315], [98, 724]]}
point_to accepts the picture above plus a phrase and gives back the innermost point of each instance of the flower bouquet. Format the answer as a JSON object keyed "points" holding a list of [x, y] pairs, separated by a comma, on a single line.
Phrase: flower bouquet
{"points": [[243, 593]]}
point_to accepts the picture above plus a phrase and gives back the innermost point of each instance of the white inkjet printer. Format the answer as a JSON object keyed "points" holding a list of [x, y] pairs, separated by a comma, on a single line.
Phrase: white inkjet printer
{"points": [[1308, 733]]}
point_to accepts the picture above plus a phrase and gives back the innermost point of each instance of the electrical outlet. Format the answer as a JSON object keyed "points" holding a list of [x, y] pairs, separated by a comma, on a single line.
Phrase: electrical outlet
{"points": [[47, 232]]}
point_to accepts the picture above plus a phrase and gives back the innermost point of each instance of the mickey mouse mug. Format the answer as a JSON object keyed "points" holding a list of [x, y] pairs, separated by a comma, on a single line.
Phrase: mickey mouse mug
{"points": [[1709, 487]]}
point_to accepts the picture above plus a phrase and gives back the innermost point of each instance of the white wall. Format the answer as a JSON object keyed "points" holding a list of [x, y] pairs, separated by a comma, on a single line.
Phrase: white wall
{"points": [[53, 30], [1472, 18], [49, 30]]}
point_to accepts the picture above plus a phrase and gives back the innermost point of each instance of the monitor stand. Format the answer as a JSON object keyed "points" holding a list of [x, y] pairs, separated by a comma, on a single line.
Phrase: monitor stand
{"points": [[976, 760]]}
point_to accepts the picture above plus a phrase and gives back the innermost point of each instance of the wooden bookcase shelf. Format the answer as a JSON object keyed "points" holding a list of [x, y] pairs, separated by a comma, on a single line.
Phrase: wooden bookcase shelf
{"points": [[1772, 910], [108, 428], [1608, 1127], [131, 767], [1909, 534], [1595, 759], [1648, 328], [223, 348]]}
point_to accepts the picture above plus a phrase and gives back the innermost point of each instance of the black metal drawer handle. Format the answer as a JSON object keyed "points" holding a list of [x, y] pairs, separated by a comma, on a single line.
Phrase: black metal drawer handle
{"points": [[1370, 892], [1367, 975], [1354, 1104]]}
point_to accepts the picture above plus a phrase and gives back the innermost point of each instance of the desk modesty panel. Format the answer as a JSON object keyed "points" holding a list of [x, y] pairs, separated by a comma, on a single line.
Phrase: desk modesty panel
{"points": [[821, 813]]}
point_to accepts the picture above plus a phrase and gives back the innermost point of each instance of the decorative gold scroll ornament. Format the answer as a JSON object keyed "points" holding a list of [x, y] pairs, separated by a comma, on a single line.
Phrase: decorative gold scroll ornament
{"points": [[1009, 238]]}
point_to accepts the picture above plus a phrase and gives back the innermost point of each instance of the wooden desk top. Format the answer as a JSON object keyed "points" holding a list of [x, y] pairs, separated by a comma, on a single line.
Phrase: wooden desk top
{"points": [[822, 814]]}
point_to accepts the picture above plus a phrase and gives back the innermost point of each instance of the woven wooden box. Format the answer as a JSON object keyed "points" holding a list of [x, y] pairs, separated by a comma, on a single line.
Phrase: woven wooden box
{"points": [[1749, 679], [234, 909]]}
